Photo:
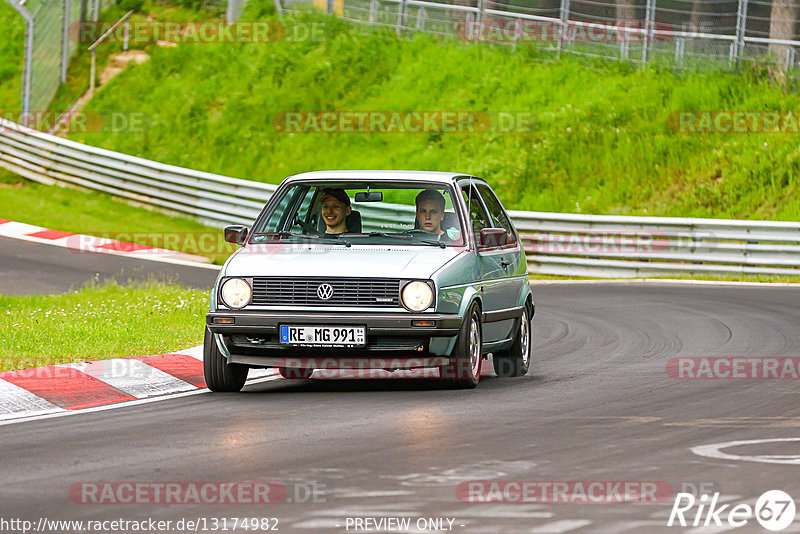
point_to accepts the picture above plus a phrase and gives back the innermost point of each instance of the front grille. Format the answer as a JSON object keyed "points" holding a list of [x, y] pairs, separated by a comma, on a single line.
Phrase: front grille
{"points": [[368, 292]]}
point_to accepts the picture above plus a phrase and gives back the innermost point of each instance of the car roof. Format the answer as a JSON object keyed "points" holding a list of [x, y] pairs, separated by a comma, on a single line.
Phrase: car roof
{"points": [[402, 176]]}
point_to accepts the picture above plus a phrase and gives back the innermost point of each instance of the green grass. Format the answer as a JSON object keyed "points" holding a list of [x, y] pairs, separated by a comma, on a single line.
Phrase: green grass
{"points": [[602, 144], [12, 41], [98, 322], [99, 214]]}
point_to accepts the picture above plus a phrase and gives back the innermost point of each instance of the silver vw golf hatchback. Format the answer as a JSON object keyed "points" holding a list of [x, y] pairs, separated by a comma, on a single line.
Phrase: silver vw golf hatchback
{"points": [[366, 270]]}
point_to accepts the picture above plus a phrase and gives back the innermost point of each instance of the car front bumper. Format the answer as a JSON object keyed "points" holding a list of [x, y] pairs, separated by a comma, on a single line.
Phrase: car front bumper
{"points": [[392, 339]]}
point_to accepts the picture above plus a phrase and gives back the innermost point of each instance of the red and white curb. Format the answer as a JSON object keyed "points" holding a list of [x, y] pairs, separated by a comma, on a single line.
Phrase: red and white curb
{"points": [[43, 392], [70, 387], [86, 243]]}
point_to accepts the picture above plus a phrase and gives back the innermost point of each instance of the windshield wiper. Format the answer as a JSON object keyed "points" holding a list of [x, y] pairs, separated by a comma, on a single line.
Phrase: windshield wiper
{"points": [[384, 234], [434, 243]]}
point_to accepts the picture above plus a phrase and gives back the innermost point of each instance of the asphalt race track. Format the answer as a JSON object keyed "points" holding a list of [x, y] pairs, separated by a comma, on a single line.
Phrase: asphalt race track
{"points": [[598, 405], [31, 268]]}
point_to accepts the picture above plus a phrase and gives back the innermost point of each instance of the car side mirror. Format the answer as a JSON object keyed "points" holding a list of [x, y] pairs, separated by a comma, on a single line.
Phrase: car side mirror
{"points": [[493, 237], [236, 234]]}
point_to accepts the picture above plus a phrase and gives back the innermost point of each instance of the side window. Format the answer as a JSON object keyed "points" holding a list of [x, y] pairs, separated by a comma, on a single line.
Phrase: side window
{"points": [[477, 214], [497, 212]]}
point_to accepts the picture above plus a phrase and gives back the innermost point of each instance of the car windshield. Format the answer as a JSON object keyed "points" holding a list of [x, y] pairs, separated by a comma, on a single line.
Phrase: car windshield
{"points": [[359, 212]]}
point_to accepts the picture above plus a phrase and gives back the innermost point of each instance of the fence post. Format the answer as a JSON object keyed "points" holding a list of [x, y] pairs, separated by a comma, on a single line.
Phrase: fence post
{"points": [[373, 12], [329, 7], [127, 35], [562, 29], [741, 25], [92, 73], [65, 40], [679, 51], [25, 100], [790, 55], [421, 15], [401, 16], [649, 27]]}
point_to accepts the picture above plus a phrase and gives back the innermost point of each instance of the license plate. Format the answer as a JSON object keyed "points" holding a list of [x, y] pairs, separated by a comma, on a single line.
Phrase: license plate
{"points": [[323, 336]]}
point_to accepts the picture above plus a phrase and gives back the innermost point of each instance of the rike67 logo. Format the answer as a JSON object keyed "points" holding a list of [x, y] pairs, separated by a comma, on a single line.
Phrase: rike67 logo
{"points": [[774, 510]]}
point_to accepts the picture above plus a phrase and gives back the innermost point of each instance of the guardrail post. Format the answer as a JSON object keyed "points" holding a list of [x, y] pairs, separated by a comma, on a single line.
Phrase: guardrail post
{"points": [[679, 49], [741, 26], [401, 16], [373, 12], [563, 26]]}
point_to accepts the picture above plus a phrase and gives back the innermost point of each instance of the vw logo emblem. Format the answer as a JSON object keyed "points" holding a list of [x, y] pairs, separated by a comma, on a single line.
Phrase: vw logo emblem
{"points": [[324, 291]]}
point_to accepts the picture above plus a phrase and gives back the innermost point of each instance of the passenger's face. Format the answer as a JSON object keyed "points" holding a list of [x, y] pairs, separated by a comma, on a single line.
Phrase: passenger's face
{"points": [[334, 212], [430, 216]]}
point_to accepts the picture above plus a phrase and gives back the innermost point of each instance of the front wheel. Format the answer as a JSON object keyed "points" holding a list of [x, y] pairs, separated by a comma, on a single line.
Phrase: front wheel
{"points": [[221, 375], [516, 361], [464, 369]]}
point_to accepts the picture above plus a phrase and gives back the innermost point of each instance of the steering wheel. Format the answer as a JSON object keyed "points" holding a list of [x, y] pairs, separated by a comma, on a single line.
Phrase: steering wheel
{"points": [[304, 225]]}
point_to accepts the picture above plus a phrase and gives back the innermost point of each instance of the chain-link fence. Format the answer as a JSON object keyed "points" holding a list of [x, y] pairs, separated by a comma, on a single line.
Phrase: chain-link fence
{"points": [[48, 46], [688, 33], [50, 42]]}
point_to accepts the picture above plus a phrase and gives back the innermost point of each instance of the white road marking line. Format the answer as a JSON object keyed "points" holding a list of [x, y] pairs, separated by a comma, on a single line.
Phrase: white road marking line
{"points": [[714, 450], [557, 527], [19, 402], [125, 404], [62, 243]]}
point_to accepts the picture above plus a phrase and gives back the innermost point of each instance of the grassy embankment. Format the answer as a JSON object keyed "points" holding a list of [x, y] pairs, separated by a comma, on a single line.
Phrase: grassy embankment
{"points": [[99, 321], [602, 144]]}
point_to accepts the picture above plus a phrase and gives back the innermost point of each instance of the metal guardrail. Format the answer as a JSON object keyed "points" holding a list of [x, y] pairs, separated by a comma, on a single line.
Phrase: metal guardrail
{"points": [[555, 243], [214, 199]]}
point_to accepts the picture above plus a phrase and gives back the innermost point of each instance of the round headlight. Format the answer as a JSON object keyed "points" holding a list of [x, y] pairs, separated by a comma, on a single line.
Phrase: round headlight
{"points": [[236, 293], [417, 296]]}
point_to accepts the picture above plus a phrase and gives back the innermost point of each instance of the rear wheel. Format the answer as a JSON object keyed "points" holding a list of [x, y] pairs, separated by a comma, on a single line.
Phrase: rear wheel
{"points": [[221, 375], [464, 369], [295, 372], [516, 361]]}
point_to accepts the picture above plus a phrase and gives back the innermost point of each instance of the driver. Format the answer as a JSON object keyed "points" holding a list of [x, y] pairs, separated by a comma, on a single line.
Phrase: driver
{"points": [[430, 211], [335, 209]]}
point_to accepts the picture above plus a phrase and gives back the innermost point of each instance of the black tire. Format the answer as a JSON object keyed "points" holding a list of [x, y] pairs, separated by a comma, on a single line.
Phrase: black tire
{"points": [[517, 360], [295, 373], [221, 375], [463, 371]]}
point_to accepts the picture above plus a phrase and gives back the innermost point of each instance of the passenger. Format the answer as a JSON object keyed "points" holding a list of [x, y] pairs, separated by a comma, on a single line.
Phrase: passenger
{"points": [[335, 209], [430, 211]]}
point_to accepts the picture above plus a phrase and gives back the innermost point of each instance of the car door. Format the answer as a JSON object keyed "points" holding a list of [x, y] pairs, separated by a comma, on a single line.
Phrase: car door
{"points": [[492, 273], [510, 254]]}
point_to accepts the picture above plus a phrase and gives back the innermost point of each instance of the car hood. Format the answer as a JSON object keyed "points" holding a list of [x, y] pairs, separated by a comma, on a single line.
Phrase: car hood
{"points": [[338, 261]]}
